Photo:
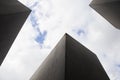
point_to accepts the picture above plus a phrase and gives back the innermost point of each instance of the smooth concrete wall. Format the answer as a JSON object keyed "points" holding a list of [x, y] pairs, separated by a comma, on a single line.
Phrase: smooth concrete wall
{"points": [[102, 1], [81, 63], [53, 68], [11, 7], [12, 16], [70, 60], [109, 9]]}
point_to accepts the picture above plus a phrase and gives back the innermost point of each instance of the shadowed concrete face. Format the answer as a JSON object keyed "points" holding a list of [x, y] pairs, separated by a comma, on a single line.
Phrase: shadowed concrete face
{"points": [[70, 60], [109, 9], [12, 16]]}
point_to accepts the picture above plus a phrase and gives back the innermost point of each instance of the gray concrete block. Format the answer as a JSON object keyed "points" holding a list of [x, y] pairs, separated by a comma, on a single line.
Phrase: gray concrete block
{"points": [[70, 60], [12, 16], [109, 9]]}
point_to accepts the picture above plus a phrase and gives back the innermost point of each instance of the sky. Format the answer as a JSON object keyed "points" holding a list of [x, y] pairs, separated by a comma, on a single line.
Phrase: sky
{"points": [[45, 26]]}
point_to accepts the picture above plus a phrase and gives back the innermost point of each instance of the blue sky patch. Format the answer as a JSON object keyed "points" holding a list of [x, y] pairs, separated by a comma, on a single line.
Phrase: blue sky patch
{"points": [[118, 65], [41, 37], [33, 19], [80, 31]]}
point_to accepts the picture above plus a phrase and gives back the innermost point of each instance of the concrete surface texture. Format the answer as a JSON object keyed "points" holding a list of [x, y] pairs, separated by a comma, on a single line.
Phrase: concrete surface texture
{"points": [[12, 16], [70, 60], [109, 9]]}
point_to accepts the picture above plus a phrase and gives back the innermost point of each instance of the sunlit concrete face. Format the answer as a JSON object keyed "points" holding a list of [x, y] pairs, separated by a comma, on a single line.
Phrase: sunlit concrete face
{"points": [[70, 60], [109, 9], [12, 16]]}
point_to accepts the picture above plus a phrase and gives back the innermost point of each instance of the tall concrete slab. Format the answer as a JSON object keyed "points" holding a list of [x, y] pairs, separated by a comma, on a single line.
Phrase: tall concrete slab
{"points": [[12, 16], [70, 60], [109, 9]]}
